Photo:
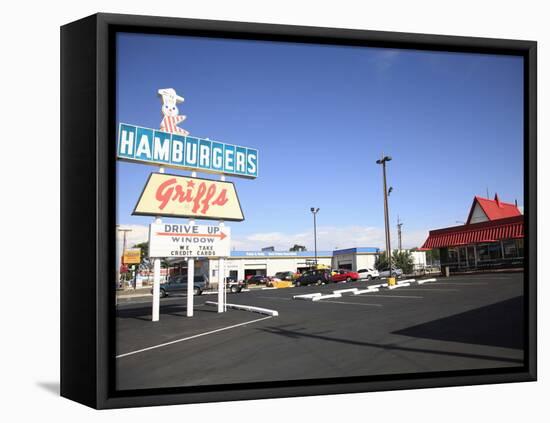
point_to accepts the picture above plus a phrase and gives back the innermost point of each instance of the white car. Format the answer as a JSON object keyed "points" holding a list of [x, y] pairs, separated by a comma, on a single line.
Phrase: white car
{"points": [[368, 274]]}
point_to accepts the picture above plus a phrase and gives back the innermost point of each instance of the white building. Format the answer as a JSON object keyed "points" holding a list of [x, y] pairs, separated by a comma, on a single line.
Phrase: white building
{"points": [[419, 259], [244, 263]]}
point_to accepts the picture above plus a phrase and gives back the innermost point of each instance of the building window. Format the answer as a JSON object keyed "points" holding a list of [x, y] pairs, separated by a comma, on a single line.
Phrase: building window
{"points": [[462, 254], [510, 248], [495, 252], [483, 252], [520, 247], [453, 255]]}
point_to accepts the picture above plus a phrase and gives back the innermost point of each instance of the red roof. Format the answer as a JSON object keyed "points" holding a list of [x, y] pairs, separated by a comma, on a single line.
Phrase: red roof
{"points": [[493, 230], [494, 209]]}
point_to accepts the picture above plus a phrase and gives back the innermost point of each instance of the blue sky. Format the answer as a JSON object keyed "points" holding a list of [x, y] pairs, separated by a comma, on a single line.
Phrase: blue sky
{"points": [[320, 117]]}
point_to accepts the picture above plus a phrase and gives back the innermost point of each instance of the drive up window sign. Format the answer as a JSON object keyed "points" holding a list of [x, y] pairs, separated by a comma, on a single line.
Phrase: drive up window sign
{"points": [[169, 240]]}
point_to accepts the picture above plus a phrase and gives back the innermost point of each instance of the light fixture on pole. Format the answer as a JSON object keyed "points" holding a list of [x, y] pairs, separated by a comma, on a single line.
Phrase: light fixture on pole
{"points": [[382, 162], [315, 211]]}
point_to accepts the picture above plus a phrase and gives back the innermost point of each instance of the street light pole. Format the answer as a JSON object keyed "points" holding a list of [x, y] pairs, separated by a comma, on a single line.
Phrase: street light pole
{"points": [[315, 211], [383, 161]]}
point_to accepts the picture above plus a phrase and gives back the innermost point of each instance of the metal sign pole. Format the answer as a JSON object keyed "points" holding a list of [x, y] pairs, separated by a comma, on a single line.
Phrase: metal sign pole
{"points": [[190, 273], [221, 273], [155, 315]]}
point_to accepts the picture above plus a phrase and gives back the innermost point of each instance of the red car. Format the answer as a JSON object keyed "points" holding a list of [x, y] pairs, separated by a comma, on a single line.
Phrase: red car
{"points": [[344, 275]]}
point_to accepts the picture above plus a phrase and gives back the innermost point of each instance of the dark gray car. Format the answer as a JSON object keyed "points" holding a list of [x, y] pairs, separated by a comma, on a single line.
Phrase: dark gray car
{"points": [[178, 284], [395, 272]]}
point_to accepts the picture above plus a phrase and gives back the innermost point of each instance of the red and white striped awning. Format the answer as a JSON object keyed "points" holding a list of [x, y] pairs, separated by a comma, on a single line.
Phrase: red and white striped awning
{"points": [[495, 230]]}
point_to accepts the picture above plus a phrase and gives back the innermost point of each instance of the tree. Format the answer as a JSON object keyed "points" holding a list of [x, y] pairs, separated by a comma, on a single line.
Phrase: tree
{"points": [[381, 262], [400, 259], [144, 249], [297, 247], [403, 260]]}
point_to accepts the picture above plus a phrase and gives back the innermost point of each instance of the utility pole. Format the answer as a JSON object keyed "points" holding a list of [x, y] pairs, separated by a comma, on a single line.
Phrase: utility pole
{"points": [[383, 161], [124, 231], [315, 211], [399, 225]]}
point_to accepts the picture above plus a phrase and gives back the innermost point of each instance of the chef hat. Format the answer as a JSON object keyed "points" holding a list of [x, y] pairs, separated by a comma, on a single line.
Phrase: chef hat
{"points": [[170, 93]]}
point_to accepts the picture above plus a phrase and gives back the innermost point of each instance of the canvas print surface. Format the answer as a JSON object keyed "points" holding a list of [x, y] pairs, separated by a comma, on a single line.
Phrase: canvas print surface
{"points": [[291, 211]]}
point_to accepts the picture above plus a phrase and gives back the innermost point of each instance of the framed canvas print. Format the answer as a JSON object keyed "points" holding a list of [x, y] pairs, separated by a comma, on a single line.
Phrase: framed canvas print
{"points": [[258, 211]]}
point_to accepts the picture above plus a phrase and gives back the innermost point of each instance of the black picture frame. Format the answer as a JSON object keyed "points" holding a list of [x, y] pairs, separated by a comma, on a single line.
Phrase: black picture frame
{"points": [[88, 204]]}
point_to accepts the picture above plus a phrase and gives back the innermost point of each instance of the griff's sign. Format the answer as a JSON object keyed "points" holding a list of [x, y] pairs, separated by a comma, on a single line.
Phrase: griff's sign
{"points": [[180, 196], [170, 240], [154, 147]]}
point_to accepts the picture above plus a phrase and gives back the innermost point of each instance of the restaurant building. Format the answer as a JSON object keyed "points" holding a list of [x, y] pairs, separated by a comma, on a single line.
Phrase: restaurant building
{"points": [[491, 238]]}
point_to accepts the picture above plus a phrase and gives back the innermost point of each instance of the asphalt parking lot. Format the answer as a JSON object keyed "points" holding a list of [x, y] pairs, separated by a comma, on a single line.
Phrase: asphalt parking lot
{"points": [[462, 322]]}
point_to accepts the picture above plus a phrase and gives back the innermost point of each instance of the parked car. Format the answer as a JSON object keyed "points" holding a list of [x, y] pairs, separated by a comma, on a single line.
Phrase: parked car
{"points": [[258, 280], [344, 275], [285, 276], [385, 273], [318, 277], [368, 273], [235, 286], [178, 283]]}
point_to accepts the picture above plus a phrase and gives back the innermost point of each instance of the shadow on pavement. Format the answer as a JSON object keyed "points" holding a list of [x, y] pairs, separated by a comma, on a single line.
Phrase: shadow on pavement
{"points": [[497, 325], [296, 334], [144, 313]]}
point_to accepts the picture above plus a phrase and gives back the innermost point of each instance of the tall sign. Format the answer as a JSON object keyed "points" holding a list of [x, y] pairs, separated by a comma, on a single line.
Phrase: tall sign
{"points": [[186, 197], [176, 240], [182, 196]]}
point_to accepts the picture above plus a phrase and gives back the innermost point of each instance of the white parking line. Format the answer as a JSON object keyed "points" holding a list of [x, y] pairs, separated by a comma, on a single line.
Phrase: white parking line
{"points": [[395, 296], [275, 298], [458, 283], [348, 302], [430, 289], [192, 337]]}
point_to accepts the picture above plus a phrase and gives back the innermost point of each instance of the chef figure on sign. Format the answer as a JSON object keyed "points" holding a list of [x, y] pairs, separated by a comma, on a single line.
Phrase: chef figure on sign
{"points": [[170, 111]]}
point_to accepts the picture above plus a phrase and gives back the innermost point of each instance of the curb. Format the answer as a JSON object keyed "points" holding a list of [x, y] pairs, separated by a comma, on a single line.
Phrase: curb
{"points": [[365, 291], [426, 280], [253, 309], [401, 285], [324, 297], [317, 296], [306, 296], [126, 297]]}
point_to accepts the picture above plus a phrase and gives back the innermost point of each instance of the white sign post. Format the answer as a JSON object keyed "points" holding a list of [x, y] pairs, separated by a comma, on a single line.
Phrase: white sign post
{"points": [[190, 276], [221, 273], [155, 314]]}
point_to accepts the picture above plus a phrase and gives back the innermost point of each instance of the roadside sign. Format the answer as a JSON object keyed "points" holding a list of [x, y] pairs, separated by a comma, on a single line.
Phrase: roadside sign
{"points": [[179, 196], [132, 256], [175, 240], [154, 147]]}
